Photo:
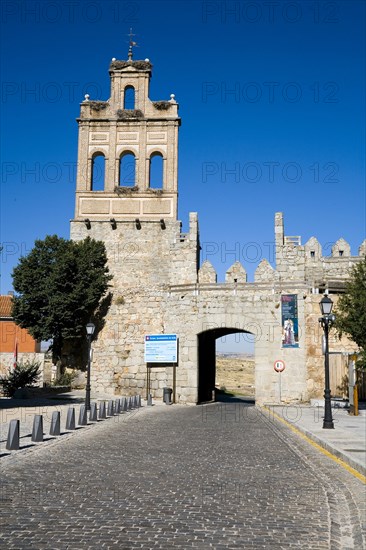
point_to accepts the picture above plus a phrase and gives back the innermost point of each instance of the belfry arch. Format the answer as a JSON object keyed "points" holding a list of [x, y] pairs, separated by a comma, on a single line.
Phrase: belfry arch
{"points": [[129, 97], [127, 169], [206, 342]]}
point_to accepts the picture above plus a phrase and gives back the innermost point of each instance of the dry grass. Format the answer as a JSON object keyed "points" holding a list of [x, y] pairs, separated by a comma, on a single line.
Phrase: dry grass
{"points": [[235, 374]]}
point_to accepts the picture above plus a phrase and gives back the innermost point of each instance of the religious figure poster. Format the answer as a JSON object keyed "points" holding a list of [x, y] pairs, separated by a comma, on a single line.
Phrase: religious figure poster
{"points": [[290, 322]]}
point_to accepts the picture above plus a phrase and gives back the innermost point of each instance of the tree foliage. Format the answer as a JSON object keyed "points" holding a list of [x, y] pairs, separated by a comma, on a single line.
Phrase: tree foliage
{"points": [[59, 287], [351, 309]]}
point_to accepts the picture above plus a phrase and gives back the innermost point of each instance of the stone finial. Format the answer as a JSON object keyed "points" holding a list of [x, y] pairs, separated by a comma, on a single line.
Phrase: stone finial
{"points": [[193, 218], [264, 272], [313, 249], [87, 97], [193, 225], [341, 248], [279, 218], [279, 228], [236, 274], [207, 273], [362, 249]]}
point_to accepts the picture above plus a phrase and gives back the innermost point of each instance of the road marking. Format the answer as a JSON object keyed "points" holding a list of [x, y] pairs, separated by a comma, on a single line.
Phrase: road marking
{"points": [[339, 461]]}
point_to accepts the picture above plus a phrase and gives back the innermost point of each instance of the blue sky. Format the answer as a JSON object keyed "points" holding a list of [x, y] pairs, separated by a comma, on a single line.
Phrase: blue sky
{"points": [[272, 100]]}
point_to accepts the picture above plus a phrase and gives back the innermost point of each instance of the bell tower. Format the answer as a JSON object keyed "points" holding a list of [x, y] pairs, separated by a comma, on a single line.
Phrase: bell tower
{"points": [[133, 211], [132, 142], [130, 133]]}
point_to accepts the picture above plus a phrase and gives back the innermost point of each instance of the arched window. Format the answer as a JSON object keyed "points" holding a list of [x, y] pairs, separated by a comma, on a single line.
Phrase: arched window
{"points": [[127, 170], [156, 171], [129, 98], [98, 172]]}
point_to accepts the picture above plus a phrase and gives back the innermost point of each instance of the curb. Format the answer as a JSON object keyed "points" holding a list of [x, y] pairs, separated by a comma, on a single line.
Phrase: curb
{"points": [[329, 450]]}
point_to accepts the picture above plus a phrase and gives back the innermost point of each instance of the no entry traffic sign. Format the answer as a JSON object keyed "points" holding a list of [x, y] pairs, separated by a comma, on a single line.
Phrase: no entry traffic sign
{"points": [[279, 365]]}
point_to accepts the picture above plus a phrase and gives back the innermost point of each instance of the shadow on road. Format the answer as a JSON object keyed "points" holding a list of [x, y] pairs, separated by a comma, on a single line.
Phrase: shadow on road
{"points": [[63, 399], [228, 397]]}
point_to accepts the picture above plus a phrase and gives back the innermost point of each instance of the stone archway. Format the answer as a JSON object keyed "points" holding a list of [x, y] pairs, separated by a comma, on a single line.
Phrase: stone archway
{"points": [[207, 360]]}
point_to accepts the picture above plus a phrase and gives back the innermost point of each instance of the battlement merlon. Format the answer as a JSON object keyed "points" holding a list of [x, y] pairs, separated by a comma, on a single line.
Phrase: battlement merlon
{"points": [[306, 262]]}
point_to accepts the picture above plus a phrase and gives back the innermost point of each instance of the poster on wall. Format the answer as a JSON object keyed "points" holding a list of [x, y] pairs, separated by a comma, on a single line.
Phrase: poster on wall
{"points": [[290, 322]]}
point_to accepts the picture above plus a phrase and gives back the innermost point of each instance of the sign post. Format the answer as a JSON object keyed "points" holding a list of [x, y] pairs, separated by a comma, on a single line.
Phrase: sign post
{"points": [[352, 385], [161, 348], [279, 366]]}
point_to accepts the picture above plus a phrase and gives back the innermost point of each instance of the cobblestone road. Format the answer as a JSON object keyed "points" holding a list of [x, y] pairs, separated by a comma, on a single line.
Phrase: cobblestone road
{"points": [[220, 476]]}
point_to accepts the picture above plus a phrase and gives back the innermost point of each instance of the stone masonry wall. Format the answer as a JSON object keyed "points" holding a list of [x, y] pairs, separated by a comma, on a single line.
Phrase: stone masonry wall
{"points": [[144, 263], [314, 356], [156, 290], [157, 285]]}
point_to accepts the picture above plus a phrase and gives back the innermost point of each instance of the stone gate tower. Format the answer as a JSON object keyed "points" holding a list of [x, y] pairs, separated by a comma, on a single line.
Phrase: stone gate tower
{"points": [[136, 219], [158, 285]]}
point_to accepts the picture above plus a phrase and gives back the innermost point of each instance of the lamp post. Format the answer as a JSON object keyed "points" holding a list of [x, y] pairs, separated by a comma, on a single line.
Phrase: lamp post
{"points": [[326, 322], [90, 328]]}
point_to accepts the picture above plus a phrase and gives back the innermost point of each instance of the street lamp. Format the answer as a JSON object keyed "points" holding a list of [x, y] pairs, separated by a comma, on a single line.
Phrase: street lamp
{"points": [[326, 322], [90, 328]]}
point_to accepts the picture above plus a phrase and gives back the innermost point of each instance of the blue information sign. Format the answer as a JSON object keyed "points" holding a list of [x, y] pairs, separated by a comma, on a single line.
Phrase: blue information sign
{"points": [[161, 348]]}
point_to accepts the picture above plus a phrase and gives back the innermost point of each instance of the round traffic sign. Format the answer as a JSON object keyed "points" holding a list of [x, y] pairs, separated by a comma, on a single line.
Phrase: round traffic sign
{"points": [[279, 365]]}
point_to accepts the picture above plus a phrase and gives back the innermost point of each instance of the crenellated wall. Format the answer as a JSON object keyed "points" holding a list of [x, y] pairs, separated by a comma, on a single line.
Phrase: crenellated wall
{"points": [[158, 286], [294, 261]]}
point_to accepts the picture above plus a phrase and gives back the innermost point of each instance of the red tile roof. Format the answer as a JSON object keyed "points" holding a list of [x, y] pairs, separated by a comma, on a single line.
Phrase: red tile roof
{"points": [[5, 306]]}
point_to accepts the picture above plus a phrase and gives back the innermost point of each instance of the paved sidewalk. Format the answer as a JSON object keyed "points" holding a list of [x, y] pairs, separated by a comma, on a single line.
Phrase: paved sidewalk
{"points": [[25, 410], [346, 441]]}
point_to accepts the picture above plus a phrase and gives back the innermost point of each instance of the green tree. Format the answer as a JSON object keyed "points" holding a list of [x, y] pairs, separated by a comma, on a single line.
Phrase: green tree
{"points": [[351, 310], [59, 287]]}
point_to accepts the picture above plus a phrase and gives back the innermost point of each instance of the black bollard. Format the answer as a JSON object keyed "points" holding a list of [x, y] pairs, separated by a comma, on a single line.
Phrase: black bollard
{"points": [[83, 418], [110, 411], [55, 428], [37, 432], [102, 411], [117, 407], [70, 419], [12, 443], [93, 414]]}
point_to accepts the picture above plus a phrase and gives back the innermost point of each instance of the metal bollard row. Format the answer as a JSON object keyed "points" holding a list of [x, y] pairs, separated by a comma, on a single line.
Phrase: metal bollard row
{"points": [[116, 407]]}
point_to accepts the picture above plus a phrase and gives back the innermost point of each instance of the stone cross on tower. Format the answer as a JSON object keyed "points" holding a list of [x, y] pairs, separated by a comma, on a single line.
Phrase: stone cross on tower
{"points": [[132, 44]]}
